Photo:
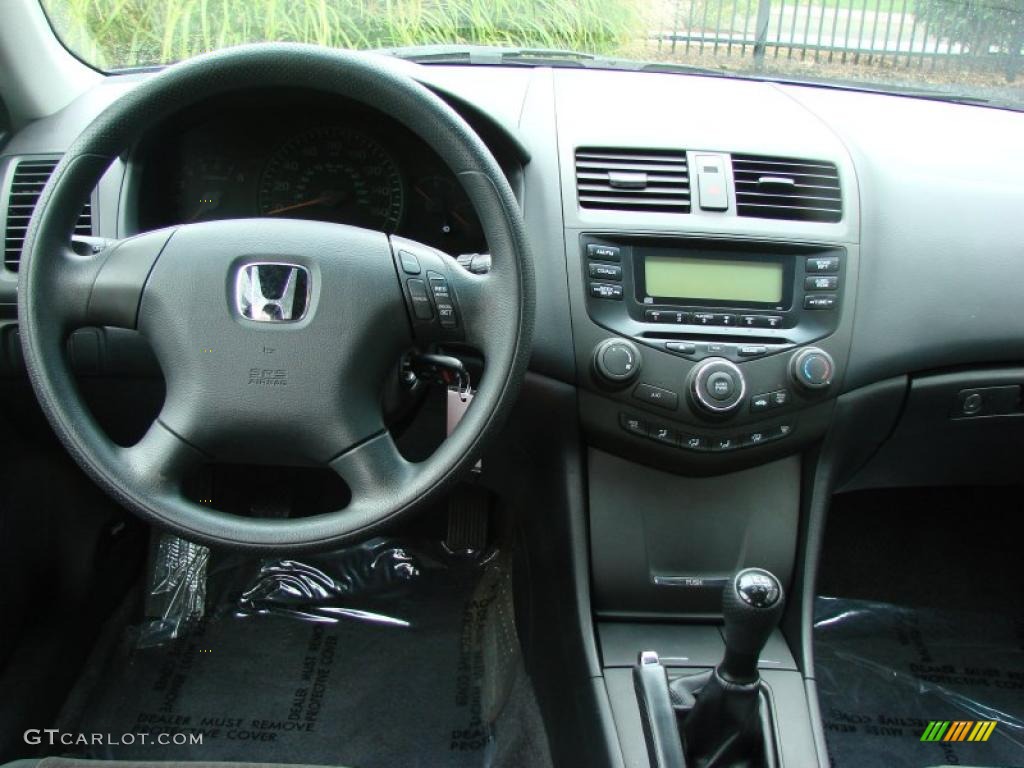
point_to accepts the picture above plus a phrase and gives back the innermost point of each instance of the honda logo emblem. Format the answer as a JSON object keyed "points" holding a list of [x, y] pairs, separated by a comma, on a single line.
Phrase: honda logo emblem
{"points": [[272, 293]]}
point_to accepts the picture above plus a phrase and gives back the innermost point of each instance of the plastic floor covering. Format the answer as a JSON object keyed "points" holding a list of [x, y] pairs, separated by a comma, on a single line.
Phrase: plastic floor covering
{"points": [[884, 672], [375, 657]]}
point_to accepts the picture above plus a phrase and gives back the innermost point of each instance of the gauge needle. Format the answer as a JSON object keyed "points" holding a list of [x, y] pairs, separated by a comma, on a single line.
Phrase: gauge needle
{"points": [[328, 198], [454, 213]]}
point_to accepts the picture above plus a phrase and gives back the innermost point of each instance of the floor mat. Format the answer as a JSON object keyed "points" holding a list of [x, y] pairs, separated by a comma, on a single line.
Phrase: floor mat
{"points": [[373, 658], [885, 672]]}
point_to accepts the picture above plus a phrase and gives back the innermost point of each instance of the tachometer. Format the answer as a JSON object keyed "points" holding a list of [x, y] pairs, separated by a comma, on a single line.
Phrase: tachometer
{"points": [[334, 174]]}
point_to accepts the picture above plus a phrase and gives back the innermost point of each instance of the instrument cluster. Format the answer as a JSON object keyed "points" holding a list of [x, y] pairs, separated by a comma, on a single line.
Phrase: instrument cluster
{"points": [[301, 161]]}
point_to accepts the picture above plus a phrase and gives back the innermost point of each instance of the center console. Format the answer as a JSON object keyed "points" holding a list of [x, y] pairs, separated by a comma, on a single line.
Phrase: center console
{"points": [[706, 353]]}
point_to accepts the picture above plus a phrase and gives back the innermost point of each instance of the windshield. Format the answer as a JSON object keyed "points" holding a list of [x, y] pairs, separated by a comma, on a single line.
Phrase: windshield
{"points": [[965, 49]]}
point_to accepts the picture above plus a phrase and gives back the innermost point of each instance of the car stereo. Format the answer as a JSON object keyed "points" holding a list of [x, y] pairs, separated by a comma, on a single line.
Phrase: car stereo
{"points": [[675, 292]]}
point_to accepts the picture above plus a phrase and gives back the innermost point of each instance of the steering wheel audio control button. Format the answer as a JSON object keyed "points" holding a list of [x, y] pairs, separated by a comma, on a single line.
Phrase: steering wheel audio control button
{"points": [[616, 361], [812, 368], [716, 387]]}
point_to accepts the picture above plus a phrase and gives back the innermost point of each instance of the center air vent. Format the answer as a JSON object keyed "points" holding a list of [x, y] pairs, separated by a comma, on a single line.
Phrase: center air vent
{"points": [[784, 188], [30, 176], [633, 180]]}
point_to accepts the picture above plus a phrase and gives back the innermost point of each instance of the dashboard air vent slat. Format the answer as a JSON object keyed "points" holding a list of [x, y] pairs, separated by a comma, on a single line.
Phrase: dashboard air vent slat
{"points": [[27, 182], [633, 180], [787, 188]]}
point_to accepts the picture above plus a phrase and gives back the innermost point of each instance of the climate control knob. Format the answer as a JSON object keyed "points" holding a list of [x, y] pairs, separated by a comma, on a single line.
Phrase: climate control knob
{"points": [[616, 362], [716, 387], [812, 368]]}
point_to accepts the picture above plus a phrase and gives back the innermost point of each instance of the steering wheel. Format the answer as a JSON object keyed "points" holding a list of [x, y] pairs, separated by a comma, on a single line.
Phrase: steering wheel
{"points": [[276, 337]]}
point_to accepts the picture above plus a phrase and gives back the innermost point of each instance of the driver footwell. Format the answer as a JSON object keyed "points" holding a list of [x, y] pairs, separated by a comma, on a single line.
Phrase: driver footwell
{"points": [[377, 655]]}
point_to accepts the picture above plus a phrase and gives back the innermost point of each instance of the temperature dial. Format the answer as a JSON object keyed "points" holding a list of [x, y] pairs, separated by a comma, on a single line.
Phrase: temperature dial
{"points": [[616, 361], [812, 368]]}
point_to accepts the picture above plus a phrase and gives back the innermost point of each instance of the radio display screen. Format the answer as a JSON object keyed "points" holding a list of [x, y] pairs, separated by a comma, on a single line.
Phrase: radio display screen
{"points": [[714, 279]]}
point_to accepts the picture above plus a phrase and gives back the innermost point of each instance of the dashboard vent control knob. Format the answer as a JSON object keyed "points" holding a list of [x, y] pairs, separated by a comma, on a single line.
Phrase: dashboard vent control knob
{"points": [[716, 387], [812, 368], [616, 361]]}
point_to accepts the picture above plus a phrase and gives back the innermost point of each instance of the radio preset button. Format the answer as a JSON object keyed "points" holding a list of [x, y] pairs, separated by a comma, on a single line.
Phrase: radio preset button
{"points": [[818, 282], [665, 316], [761, 321], [820, 301], [606, 291], [822, 265], [603, 252], [656, 396], [703, 318]]}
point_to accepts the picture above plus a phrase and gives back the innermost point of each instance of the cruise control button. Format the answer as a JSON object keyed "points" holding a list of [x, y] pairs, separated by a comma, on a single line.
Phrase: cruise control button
{"points": [[603, 252], [821, 283], [820, 301], [652, 395], [606, 291], [606, 271], [633, 424], [822, 264], [681, 347], [446, 314]]}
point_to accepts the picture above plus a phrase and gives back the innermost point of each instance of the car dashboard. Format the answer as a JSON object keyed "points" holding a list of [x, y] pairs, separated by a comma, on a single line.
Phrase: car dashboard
{"points": [[748, 295]]}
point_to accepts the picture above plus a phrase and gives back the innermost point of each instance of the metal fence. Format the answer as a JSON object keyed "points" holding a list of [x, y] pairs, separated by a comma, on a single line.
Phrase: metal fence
{"points": [[962, 34]]}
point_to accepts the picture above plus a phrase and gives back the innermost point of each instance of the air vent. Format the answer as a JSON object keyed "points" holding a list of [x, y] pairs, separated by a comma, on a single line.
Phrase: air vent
{"points": [[784, 188], [633, 180], [30, 176]]}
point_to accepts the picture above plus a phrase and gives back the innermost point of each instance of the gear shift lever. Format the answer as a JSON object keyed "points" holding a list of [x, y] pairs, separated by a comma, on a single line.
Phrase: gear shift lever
{"points": [[751, 606], [724, 726]]}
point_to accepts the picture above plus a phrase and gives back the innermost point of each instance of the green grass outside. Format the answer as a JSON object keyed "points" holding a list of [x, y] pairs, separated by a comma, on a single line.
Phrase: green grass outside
{"points": [[125, 33]]}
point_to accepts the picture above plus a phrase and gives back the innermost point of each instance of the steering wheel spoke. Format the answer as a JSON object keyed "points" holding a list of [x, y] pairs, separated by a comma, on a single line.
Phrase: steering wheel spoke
{"points": [[372, 465], [161, 460]]}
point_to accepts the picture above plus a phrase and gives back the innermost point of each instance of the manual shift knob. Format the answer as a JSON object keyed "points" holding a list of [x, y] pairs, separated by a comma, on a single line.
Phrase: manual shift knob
{"points": [[752, 605]]}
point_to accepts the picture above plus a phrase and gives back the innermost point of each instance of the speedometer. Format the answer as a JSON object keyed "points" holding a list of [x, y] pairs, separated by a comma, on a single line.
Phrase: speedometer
{"points": [[334, 174]]}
